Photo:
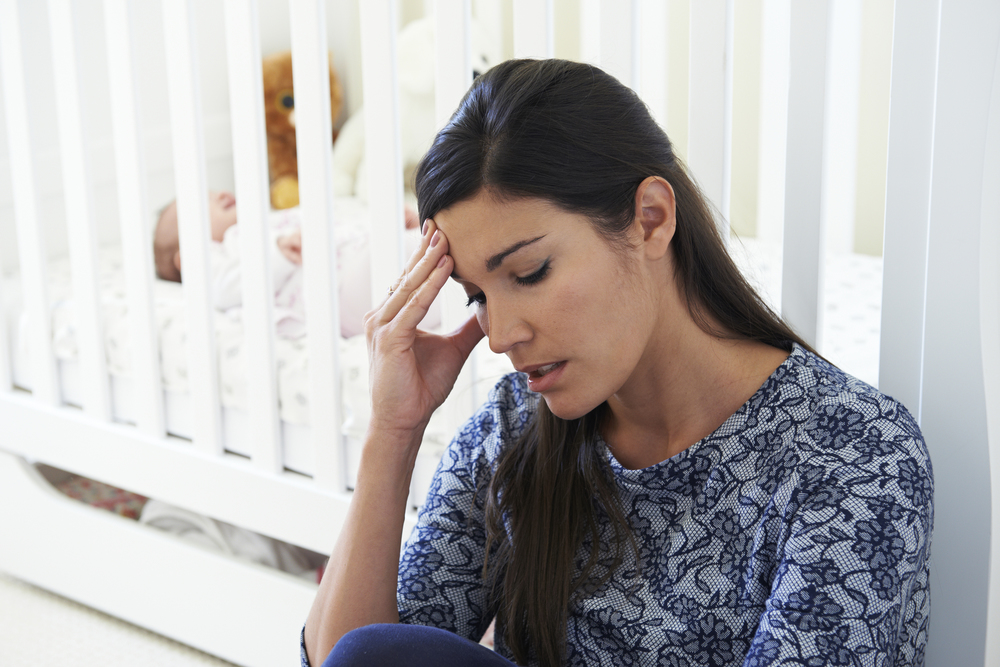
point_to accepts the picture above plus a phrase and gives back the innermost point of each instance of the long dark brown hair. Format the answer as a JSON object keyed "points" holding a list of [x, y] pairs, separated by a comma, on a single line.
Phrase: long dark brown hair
{"points": [[575, 136]]}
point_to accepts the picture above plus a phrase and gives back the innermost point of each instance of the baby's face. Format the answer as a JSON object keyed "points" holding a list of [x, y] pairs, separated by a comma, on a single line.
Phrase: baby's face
{"points": [[221, 213]]}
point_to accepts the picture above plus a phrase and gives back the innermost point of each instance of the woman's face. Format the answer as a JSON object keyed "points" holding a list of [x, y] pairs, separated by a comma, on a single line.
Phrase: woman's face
{"points": [[566, 307]]}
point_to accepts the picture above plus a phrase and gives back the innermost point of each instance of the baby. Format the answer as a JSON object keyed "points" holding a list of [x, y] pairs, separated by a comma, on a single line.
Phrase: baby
{"points": [[351, 242]]}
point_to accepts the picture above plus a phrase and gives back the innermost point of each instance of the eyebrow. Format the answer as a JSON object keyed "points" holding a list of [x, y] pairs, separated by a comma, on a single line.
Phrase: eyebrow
{"points": [[494, 262]]}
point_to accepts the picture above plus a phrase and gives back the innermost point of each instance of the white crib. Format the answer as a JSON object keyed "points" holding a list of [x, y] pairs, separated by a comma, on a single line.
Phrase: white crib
{"points": [[940, 286]]}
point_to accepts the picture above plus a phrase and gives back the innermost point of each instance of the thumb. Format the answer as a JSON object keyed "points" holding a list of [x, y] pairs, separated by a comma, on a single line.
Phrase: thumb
{"points": [[467, 335]]}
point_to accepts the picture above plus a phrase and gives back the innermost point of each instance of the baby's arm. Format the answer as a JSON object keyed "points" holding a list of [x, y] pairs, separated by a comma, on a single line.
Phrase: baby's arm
{"points": [[226, 272], [225, 264]]}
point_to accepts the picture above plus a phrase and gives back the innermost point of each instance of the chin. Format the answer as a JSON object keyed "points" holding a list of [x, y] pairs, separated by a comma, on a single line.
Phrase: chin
{"points": [[565, 409]]}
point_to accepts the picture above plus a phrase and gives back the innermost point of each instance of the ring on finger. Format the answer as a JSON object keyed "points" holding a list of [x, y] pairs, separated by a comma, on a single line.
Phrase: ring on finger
{"points": [[395, 286]]}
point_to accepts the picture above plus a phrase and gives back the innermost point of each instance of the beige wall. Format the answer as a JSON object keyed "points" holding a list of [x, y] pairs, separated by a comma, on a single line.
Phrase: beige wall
{"points": [[746, 116]]}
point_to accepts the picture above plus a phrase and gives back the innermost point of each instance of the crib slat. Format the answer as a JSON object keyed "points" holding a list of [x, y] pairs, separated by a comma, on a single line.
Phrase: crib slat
{"points": [[653, 57], [246, 93], [133, 211], [710, 102], [907, 202], [533, 29], [620, 40], [193, 222], [453, 76], [30, 241], [6, 373], [452, 58], [313, 133], [775, 41], [382, 142], [78, 198], [802, 266]]}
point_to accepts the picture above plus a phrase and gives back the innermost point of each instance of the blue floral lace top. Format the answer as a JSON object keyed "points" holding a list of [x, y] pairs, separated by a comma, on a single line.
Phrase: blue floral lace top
{"points": [[798, 533]]}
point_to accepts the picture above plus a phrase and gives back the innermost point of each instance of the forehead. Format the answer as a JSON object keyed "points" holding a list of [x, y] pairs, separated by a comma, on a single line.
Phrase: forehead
{"points": [[485, 233], [484, 222]]}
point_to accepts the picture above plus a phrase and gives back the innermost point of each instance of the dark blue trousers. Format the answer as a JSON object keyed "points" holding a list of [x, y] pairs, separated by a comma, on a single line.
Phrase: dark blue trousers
{"points": [[400, 645]]}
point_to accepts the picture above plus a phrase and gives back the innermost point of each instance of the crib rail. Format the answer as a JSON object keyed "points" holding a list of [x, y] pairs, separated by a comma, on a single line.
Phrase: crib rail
{"points": [[250, 166], [802, 274], [79, 209], [192, 221], [133, 203], [927, 284], [31, 246]]}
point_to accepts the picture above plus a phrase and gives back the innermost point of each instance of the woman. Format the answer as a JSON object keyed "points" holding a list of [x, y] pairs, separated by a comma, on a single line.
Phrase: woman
{"points": [[673, 478]]}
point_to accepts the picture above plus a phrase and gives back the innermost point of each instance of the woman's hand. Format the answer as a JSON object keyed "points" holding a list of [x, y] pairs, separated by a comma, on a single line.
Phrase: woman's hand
{"points": [[411, 371]]}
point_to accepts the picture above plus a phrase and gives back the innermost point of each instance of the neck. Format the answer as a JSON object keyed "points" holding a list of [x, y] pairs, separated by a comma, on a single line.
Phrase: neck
{"points": [[687, 384]]}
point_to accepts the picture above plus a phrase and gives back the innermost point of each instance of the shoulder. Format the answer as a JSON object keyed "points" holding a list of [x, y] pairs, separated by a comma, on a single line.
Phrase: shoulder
{"points": [[855, 438], [840, 412]]}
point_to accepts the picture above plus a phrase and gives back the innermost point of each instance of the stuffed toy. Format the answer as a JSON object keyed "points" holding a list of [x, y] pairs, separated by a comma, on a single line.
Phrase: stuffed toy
{"points": [[415, 67], [279, 117]]}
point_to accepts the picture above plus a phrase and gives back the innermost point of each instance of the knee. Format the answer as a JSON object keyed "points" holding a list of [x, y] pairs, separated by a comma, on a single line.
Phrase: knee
{"points": [[368, 646]]}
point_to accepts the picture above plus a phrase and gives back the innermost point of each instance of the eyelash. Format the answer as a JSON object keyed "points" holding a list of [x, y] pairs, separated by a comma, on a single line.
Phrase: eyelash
{"points": [[533, 279]]}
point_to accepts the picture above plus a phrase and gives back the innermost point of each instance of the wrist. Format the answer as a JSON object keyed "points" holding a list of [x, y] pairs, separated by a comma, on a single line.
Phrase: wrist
{"points": [[388, 457]]}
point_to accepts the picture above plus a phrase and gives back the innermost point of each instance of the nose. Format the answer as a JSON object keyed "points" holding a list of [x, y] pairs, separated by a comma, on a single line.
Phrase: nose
{"points": [[504, 327]]}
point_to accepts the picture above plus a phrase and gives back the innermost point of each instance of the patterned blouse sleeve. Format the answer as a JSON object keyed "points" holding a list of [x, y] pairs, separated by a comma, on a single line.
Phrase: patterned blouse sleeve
{"points": [[852, 584], [440, 570]]}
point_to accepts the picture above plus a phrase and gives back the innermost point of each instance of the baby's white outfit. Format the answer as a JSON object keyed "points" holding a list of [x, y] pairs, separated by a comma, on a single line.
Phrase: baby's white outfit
{"points": [[353, 269]]}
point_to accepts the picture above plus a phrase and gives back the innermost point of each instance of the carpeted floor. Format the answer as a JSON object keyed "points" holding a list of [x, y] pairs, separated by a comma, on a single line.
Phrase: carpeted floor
{"points": [[39, 629]]}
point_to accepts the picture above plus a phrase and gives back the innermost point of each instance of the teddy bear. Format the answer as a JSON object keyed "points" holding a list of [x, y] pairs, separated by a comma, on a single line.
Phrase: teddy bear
{"points": [[415, 67], [279, 118]]}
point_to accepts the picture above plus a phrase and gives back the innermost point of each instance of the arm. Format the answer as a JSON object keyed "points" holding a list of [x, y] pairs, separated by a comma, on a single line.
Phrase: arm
{"points": [[411, 375], [225, 265], [852, 584]]}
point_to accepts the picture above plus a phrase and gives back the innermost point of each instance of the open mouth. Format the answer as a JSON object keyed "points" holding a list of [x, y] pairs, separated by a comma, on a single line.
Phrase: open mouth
{"points": [[544, 370]]}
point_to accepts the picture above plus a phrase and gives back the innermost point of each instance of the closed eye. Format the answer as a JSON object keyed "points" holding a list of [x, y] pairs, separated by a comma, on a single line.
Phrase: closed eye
{"points": [[535, 277], [479, 298]]}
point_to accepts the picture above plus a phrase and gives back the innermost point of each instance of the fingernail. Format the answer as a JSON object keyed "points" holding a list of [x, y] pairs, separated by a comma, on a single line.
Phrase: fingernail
{"points": [[427, 228], [435, 239], [444, 258]]}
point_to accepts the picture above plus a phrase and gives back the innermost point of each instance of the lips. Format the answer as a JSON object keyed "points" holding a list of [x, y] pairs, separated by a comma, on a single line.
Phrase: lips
{"points": [[545, 369], [539, 370], [543, 376]]}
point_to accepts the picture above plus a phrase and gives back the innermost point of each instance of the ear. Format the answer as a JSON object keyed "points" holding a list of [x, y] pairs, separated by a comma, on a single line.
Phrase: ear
{"points": [[655, 213]]}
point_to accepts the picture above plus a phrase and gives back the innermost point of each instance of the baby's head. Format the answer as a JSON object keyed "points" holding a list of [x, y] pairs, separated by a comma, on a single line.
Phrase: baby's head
{"points": [[166, 241]]}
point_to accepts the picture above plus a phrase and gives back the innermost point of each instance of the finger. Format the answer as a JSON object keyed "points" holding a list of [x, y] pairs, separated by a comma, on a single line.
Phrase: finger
{"points": [[467, 335], [411, 263], [414, 278], [420, 300], [425, 240]]}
